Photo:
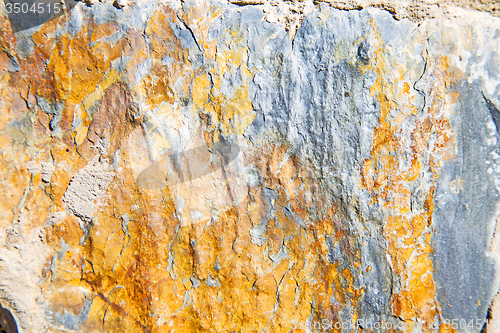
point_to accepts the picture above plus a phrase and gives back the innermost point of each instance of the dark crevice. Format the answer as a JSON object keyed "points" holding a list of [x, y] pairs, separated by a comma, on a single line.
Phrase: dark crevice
{"points": [[7, 322], [191, 32], [495, 113], [488, 318], [246, 2]]}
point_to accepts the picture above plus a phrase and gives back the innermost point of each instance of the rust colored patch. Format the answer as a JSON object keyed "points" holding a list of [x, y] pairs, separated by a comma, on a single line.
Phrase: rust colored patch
{"points": [[113, 122]]}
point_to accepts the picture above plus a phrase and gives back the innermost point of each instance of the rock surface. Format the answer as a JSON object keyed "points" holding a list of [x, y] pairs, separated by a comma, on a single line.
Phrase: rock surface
{"points": [[363, 187]]}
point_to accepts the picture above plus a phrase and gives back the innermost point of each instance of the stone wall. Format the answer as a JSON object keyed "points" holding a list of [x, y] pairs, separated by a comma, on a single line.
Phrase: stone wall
{"points": [[237, 167]]}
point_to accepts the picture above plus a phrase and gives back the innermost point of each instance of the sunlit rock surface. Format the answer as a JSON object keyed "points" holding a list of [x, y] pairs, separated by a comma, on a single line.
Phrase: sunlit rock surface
{"points": [[188, 167]]}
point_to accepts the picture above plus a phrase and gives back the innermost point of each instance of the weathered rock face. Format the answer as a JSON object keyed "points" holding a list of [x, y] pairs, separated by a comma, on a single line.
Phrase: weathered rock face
{"points": [[197, 167]]}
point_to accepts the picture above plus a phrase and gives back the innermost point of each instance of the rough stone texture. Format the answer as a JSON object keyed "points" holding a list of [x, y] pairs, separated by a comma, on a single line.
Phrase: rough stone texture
{"points": [[364, 185]]}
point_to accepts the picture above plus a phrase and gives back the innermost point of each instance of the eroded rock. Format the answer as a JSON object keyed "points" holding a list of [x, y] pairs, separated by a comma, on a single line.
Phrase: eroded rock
{"points": [[364, 188]]}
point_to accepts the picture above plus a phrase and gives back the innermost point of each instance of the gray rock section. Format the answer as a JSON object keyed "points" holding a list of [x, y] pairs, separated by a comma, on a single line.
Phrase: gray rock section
{"points": [[463, 220], [66, 320]]}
